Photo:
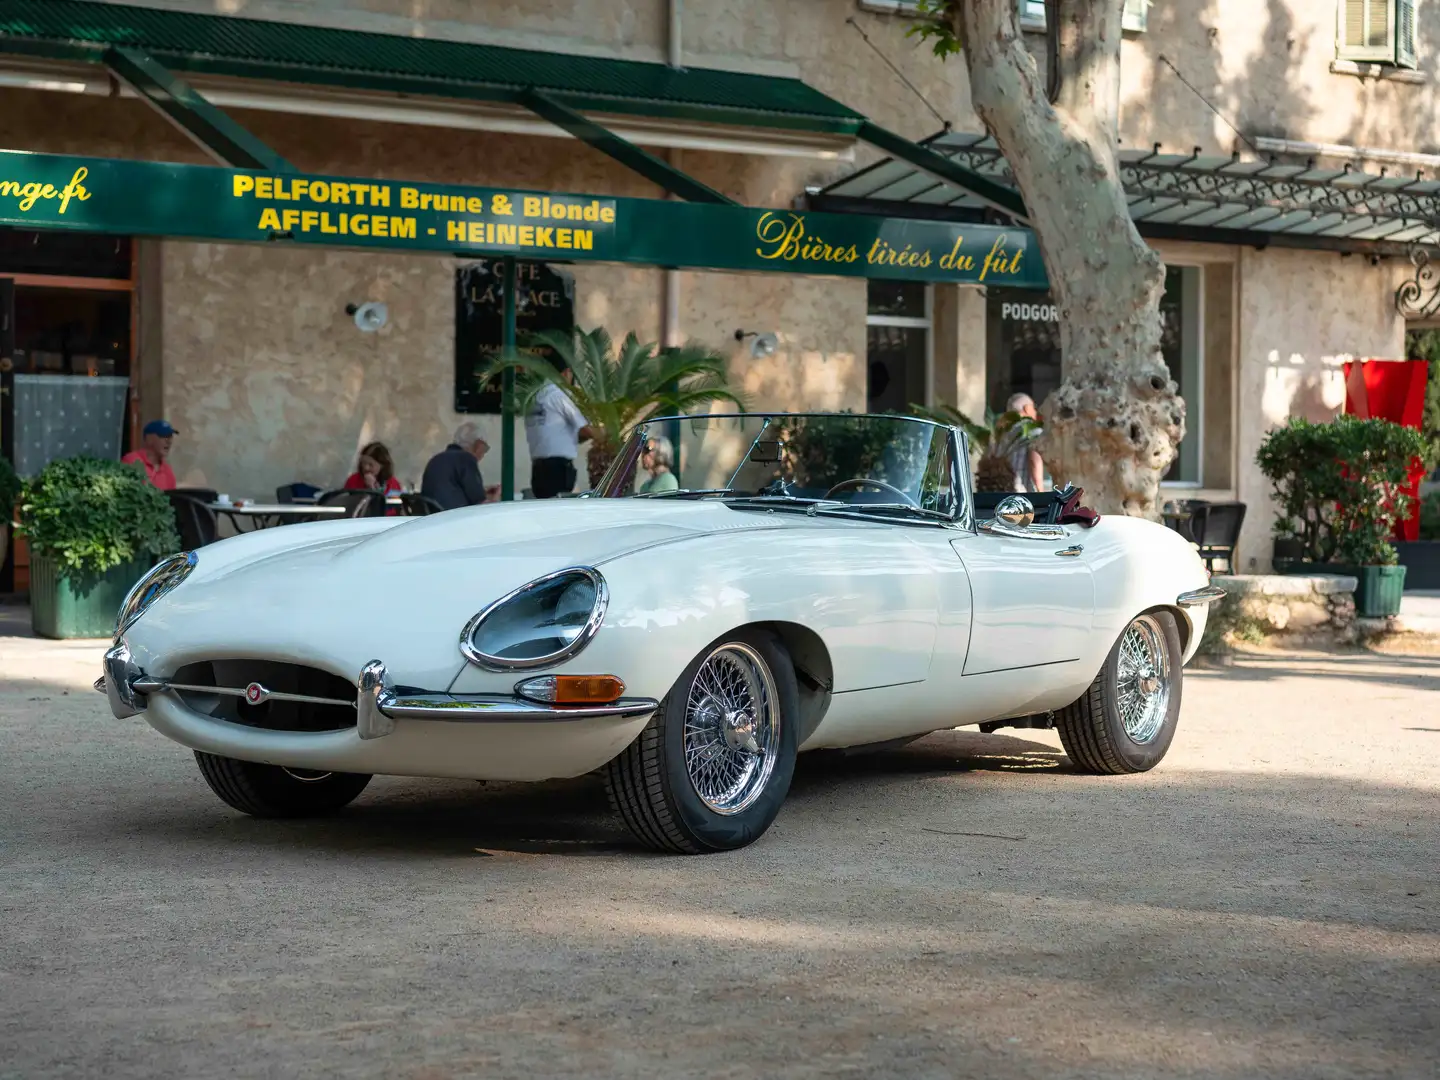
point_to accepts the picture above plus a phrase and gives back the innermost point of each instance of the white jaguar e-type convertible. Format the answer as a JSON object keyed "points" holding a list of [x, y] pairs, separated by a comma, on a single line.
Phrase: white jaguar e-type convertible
{"points": [[794, 582]]}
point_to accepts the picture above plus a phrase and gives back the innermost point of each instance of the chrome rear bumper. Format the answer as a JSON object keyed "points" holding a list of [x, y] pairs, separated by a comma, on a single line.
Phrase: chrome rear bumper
{"points": [[378, 705]]}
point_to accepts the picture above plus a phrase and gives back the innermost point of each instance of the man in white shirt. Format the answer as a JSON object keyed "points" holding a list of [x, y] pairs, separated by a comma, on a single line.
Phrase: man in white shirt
{"points": [[554, 430]]}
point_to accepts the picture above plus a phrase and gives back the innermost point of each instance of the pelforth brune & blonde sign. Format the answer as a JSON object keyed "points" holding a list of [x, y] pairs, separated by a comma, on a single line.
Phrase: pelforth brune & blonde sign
{"points": [[42, 191]]}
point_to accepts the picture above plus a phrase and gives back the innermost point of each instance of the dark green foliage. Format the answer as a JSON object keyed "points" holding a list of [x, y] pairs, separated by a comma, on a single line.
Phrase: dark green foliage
{"points": [[1339, 485], [935, 23], [1425, 345], [1430, 516], [613, 390], [91, 515], [9, 491]]}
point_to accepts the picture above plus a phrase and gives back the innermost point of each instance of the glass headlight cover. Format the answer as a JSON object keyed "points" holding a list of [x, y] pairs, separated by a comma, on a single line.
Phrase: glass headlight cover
{"points": [[162, 577], [544, 622]]}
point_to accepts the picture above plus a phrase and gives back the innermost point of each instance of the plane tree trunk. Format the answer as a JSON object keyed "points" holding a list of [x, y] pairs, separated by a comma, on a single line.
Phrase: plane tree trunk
{"points": [[1115, 424]]}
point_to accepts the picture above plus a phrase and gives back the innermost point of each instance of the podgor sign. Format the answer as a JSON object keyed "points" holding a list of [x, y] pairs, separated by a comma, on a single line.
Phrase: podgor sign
{"points": [[44, 191]]}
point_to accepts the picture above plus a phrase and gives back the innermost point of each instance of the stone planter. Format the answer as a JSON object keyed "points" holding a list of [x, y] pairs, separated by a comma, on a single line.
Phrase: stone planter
{"points": [[77, 607], [1421, 559], [1378, 590], [1314, 609]]}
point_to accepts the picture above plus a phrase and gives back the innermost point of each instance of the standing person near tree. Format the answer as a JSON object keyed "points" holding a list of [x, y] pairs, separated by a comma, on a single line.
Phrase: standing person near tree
{"points": [[554, 429], [1025, 460]]}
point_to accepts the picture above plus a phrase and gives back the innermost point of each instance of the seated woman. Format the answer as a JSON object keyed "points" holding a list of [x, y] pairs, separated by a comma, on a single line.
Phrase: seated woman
{"points": [[658, 458], [375, 471]]}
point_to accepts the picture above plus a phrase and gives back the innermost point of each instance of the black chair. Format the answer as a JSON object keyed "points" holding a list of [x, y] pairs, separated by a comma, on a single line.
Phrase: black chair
{"points": [[416, 505], [358, 502], [288, 493], [205, 495], [1215, 529], [194, 519]]}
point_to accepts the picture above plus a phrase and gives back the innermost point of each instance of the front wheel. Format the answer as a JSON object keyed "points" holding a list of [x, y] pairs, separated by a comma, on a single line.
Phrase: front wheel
{"points": [[712, 767], [1124, 722], [273, 791]]}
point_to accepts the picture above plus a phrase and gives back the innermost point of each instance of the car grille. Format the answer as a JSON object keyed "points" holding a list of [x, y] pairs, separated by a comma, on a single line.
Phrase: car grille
{"points": [[219, 688]]}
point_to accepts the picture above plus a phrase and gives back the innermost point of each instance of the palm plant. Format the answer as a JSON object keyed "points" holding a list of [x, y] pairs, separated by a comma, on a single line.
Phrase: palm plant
{"points": [[615, 391], [993, 441]]}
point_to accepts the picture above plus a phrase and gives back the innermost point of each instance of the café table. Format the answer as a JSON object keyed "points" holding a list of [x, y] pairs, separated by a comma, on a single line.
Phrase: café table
{"points": [[258, 515], [1178, 520]]}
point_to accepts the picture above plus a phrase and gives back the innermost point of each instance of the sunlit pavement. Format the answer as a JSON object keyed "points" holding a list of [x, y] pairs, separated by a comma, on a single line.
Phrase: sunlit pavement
{"points": [[1263, 904]]}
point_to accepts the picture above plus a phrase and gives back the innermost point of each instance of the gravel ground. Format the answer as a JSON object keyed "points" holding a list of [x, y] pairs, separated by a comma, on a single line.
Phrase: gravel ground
{"points": [[1266, 903]]}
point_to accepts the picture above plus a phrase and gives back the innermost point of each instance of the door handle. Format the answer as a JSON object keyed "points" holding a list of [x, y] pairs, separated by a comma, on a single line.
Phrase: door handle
{"points": [[1071, 552]]}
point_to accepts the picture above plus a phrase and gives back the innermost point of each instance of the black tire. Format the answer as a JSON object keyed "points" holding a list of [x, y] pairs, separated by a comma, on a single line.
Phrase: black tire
{"points": [[1093, 729], [651, 788], [270, 791]]}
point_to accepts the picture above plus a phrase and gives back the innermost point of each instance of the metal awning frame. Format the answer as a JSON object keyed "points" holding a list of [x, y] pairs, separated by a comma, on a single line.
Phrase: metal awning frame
{"points": [[1183, 197], [231, 144]]}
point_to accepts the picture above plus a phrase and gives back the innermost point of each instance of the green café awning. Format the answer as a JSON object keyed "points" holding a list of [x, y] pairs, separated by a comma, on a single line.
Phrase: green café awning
{"points": [[349, 59]]}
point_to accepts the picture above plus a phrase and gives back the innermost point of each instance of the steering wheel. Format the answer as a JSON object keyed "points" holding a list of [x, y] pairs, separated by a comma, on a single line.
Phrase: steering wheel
{"points": [[865, 481]]}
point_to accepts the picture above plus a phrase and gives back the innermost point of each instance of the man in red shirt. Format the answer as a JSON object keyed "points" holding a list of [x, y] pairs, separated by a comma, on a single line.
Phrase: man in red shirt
{"points": [[158, 436]]}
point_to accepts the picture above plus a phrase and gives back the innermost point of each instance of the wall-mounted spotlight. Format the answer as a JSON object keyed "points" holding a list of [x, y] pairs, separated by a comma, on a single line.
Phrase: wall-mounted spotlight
{"points": [[763, 345]]}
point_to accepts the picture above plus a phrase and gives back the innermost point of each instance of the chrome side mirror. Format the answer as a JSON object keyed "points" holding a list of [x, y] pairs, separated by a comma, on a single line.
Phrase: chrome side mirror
{"points": [[1015, 510]]}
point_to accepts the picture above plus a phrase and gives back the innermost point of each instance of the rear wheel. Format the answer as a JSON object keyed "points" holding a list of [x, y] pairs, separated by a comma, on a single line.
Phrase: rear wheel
{"points": [[1124, 722], [712, 767], [274, 791]]}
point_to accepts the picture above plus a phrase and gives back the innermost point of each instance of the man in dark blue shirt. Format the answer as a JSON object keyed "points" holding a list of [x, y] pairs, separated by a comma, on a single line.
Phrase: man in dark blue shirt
{"points": [[452, 477]]}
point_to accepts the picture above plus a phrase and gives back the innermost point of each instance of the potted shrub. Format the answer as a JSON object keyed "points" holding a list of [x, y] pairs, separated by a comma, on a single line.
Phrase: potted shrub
{"points": [[1421, 557], [94, 527], [9, 494], [1339, 491], [613, 390], [992, 442]]}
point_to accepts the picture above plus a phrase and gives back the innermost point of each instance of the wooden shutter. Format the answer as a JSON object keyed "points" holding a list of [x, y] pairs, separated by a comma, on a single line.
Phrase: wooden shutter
{"points": [[1366, 30], [1135, 14], [1405, 27]]}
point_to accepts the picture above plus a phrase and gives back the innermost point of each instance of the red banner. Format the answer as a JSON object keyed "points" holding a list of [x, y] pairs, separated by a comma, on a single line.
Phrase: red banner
{"points": [[1391, 390]]}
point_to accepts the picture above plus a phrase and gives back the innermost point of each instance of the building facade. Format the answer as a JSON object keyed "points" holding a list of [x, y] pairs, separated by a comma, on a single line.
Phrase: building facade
{"points": [[250, 351]]}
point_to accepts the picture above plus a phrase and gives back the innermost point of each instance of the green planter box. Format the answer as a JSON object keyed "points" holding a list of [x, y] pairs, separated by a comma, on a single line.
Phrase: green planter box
{"points": [[1378, 593], [68, 607]]}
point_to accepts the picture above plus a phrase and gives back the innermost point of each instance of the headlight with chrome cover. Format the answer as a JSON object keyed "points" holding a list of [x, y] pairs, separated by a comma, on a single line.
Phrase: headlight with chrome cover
{"points": [[544, 622], [163, 576]]}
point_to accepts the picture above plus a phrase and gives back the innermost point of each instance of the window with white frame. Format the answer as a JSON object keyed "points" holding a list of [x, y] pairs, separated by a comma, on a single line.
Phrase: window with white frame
{"points": [[897, 345], [1134, 17], [1377, 31]]}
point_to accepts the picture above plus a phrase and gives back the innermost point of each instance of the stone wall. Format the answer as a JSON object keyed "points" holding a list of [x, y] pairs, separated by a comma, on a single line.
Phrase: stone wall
{"points": [[1282, 609], [1265, 65], [1302, 315], [269, 381]]}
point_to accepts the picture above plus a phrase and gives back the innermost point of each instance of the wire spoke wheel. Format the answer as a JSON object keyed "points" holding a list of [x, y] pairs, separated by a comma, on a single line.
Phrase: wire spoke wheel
{"points": [[1143, 679], [732, 728]]}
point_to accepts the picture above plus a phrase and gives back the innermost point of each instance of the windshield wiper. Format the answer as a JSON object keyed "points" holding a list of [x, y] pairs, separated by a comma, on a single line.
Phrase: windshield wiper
{"points": [[676, 493], [787, 500], [905, 507]]}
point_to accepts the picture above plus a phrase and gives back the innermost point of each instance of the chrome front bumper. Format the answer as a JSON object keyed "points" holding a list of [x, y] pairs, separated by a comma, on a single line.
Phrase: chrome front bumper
{"points": [[1210, 594], [378, 704]]}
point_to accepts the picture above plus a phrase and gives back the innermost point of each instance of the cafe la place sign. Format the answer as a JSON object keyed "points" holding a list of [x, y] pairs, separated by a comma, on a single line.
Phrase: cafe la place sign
{"points": [[44, 191]]}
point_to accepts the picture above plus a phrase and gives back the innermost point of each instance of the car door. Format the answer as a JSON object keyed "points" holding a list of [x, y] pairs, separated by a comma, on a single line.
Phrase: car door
{"points": [[1033, 599]]}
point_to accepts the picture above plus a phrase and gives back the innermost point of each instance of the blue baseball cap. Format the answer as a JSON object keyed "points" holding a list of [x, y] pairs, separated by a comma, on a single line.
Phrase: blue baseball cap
{"points": [[159, 427]]}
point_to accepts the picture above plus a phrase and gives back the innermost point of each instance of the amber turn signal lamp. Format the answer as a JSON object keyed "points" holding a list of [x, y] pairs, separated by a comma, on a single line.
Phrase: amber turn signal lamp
{"points": [[572, 689]]}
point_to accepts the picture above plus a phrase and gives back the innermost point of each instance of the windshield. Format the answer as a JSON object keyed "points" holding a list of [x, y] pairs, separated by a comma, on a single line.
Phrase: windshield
{"points": [[852, 461]]}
